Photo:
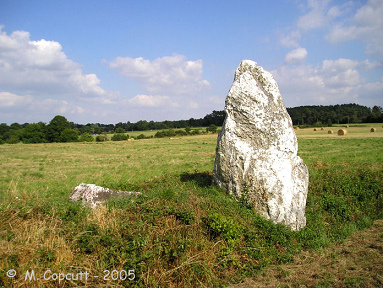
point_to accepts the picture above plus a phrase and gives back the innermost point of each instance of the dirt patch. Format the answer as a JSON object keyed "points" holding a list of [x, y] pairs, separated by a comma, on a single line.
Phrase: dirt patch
{"points": [[358, 262]]}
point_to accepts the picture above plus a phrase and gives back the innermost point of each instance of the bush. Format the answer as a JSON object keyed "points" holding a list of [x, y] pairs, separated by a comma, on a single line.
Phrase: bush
{"points": [[141, 136], [119, 137], [120, 130], [13, 139], [86, 137], [212, 128], [195, 132], [165, 133], [181, 132], [221, 225], [34, 133], [101, 138], [69, 135]]}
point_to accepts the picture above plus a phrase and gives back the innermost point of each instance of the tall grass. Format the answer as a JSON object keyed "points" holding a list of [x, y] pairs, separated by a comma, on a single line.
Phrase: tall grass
{"points": [[183, 232]]}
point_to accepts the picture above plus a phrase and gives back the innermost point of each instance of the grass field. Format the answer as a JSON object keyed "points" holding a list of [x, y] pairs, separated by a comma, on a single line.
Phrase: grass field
{"points": [[354, 131], [151, 133], [183, 232]]}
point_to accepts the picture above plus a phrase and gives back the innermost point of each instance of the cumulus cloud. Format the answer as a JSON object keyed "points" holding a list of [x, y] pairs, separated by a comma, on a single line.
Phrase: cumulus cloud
{"points": [[316, 17], [292, 39], [8, 99], [366, 26], [342, 23], [296, 56], [332, 82], [42, 68], [142, 100], [56, 106], [340, 80], [167, 75]]}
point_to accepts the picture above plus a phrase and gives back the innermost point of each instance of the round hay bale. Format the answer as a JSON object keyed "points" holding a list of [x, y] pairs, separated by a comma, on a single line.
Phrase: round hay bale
{"points": [[342, 132], [315, 129], [346, 126], [330, 132], [373, 129], [322, 128]]}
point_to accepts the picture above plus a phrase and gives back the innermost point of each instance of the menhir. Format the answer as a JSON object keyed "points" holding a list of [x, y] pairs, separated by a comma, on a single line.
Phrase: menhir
{"points": [[256, 154]]}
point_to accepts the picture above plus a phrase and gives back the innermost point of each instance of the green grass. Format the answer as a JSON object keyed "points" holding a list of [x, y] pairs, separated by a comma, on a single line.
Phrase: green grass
{"points": [[151, 133], [184, 232]]}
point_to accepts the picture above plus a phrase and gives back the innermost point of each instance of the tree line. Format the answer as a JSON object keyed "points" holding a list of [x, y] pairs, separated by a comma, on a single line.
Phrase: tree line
{"points": [[59, 129], [335, 114]]}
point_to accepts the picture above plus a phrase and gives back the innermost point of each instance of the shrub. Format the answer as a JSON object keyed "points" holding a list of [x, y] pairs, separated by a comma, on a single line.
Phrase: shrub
{"points": [[195, 132], [212, 128], [13, 139], [181, 132], [141, 136], [165, 133], [227, 228], [101, 138], [120, 130], [69, 135], [119, 137], [86, 137]]}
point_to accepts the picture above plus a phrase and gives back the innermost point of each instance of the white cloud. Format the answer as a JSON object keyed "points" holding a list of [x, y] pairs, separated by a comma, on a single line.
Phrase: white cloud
{"points": [[193, 105], [25, 108], [167, 75], [8, 99], [366, 26], [56, 106], [333, 82], [42, 68], [38, 81], [150, 101], [292, 39], [340, 10], [296, 56], [316, 18]]}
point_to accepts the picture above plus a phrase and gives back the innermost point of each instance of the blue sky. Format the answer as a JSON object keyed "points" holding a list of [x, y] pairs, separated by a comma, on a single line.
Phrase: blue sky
{"points": [[118, 61]]}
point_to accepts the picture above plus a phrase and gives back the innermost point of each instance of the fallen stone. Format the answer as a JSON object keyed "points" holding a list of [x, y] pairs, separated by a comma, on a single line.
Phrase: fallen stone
{"points": [[93, 195], [256, 154]]}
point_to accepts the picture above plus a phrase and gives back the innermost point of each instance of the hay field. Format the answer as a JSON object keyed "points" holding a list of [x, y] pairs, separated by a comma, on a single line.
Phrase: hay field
{"points": [[353, 131], [185, 232]]}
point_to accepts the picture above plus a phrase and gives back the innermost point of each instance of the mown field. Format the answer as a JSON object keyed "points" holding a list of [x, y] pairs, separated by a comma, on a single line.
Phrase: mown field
{"points": [[183, 232]]}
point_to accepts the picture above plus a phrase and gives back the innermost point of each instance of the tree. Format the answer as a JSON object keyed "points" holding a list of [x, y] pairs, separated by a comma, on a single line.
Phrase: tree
{"points": [[212, 128], [34, 133], [120, 130], [119, 137], [85, 129], [57, 125], [376, 112], [141, 125], [69, 135], [86, 137]]}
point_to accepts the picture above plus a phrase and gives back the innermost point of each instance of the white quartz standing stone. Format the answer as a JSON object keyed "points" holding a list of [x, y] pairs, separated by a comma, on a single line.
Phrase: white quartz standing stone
{"points": [[256, 154]]}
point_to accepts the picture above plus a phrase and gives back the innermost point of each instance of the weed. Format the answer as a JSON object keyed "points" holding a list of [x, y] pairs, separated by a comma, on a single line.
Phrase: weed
{"points": [[225, 227], [45, 255], [187, 217]]}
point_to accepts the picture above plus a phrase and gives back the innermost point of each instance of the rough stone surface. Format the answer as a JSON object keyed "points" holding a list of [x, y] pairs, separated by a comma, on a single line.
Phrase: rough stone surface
{"points": [[256, 154], [93, 195]]}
